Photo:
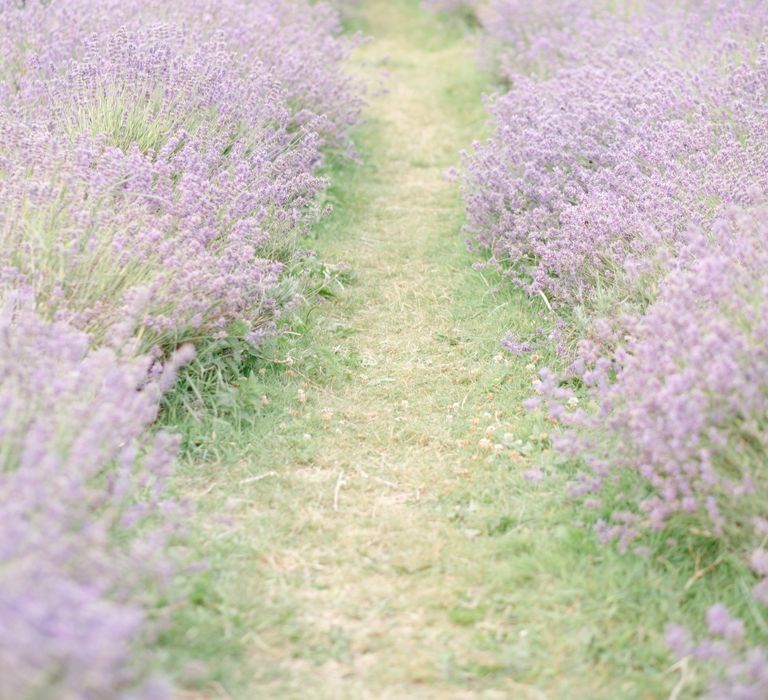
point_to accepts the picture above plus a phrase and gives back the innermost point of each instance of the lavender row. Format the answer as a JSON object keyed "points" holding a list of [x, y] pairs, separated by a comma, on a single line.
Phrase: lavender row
{"points": [[626, 182], [616, 135], [85, 524], [158, 169], [172, 171]]}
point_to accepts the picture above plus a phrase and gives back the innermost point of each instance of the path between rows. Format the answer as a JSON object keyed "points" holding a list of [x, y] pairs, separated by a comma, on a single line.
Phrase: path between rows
{"points": [[379, 586]]}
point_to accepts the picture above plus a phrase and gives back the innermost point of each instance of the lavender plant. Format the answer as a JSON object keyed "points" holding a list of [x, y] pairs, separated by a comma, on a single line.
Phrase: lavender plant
{"points": [[170, 163], [741, 670], [603, 176], [595, 170], [195, 193], [297, 41], [673, 436], [84, 516], [681, 399]]}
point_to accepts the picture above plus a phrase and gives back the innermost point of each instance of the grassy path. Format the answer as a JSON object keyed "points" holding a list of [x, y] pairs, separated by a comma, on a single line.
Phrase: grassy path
{"points": [[376, 544], [375, 571]]}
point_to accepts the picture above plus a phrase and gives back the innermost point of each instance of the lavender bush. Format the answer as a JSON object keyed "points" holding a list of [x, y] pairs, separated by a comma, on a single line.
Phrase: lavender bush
{"points": [[173, 164], [674, 436], [202, 218], [79, 475], [682, 398], [606, 168], [298, 42], [741, 670], [595, 170]]}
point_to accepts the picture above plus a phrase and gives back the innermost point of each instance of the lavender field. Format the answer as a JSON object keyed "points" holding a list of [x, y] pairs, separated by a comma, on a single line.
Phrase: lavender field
{"points": [[383, 349]]}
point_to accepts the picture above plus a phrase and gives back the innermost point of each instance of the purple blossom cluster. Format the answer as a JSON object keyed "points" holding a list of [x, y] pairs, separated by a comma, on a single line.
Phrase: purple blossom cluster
{"points": [[173, 163], [682, 395], [619, 131], [742, 670], [84, 519], [635, 169], [297, 43], [159, 166], [675, 433]]}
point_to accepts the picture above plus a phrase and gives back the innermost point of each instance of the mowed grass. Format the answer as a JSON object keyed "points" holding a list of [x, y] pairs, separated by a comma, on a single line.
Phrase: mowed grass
{"points": [[359, 493]]}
